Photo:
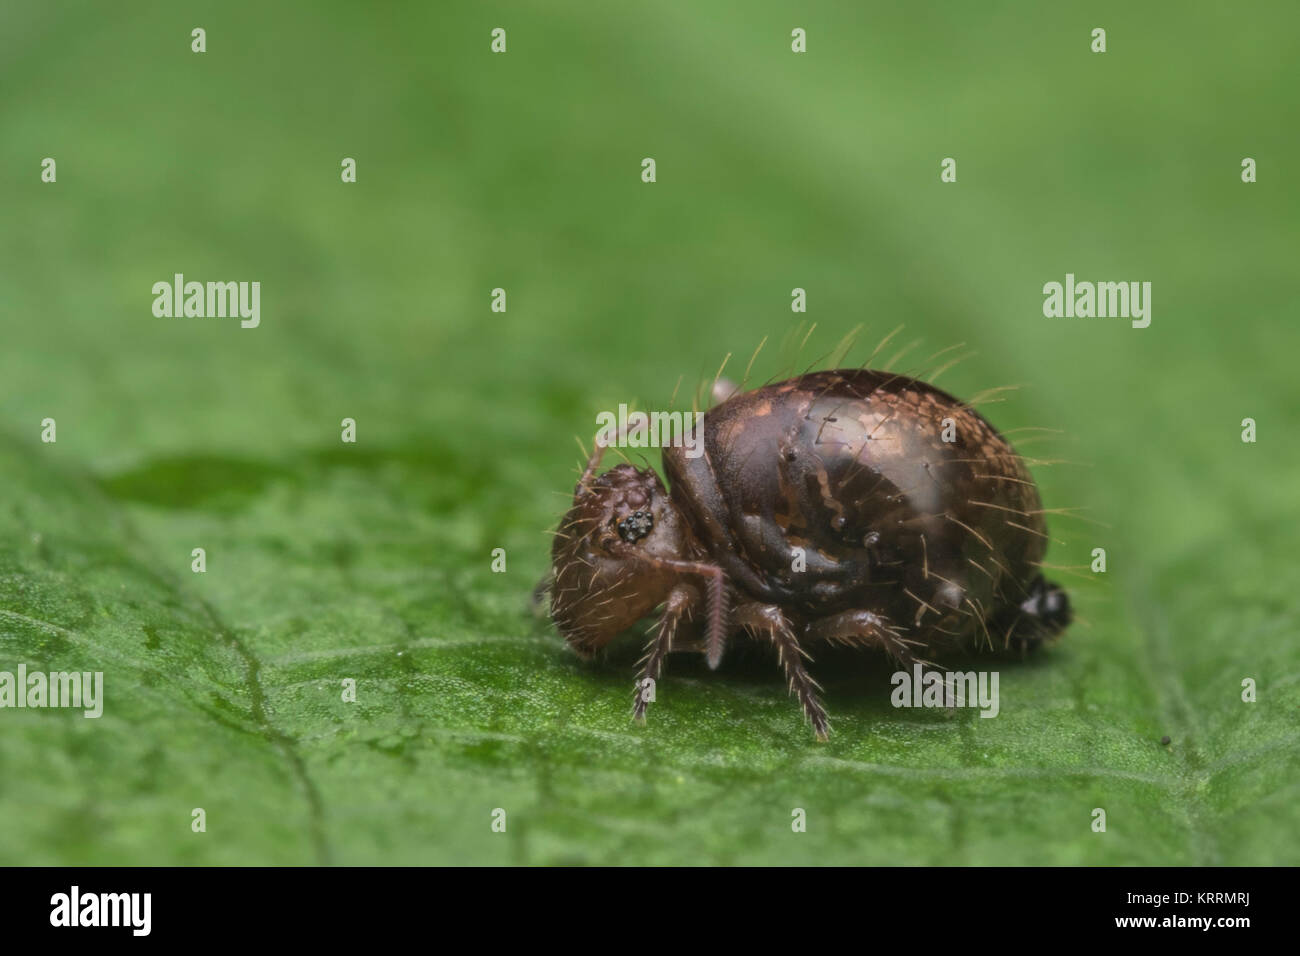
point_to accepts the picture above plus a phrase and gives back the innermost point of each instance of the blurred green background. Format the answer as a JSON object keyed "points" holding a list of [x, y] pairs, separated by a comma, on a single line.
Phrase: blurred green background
{"points": [[522, 171]]}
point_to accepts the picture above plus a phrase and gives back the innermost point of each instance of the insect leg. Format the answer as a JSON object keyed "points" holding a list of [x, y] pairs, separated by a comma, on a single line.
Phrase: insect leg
{"points": [[678, 604], [864, 629], [715, 583], [768, 620]]}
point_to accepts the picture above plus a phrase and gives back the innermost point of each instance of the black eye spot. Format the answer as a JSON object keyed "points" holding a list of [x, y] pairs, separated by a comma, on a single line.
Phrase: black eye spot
{"points": [[635, 526]]}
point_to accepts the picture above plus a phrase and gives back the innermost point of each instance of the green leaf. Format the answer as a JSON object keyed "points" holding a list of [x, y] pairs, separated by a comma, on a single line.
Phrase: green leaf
{"points": [[372, 562]]}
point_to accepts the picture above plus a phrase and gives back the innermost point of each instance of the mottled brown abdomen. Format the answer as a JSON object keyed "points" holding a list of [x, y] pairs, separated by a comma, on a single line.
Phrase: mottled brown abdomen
{"points": [[848, 474]]}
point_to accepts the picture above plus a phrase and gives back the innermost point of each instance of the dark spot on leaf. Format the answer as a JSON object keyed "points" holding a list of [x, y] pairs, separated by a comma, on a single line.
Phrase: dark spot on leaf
{"points": [[199, 481]]}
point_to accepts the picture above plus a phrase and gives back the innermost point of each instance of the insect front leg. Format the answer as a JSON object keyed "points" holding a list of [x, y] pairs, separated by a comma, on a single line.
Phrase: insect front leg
{"points": [[717, 598], [768, 620], [680, 601]]}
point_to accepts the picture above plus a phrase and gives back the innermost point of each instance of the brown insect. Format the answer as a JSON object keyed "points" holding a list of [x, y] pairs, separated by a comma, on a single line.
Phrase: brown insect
{"points": [[848, 507]]}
